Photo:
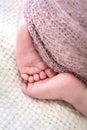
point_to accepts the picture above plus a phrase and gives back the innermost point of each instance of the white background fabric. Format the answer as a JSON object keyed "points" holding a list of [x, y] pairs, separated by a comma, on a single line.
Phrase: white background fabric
{"points": [[17, 111]]}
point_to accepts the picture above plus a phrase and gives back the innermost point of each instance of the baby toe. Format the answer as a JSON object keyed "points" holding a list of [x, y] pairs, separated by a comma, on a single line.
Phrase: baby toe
{"points": [[31, 79], [36, 77], [25, 77], [43, 75], [50, 73]]}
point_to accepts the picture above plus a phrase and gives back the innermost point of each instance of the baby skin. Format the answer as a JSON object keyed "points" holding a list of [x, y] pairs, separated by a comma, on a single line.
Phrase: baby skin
{"points": [[39, 81]]}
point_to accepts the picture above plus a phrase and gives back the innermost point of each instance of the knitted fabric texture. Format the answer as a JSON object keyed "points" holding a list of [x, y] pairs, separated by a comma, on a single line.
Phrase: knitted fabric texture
{"points": [[59, 32], [17, 111]]}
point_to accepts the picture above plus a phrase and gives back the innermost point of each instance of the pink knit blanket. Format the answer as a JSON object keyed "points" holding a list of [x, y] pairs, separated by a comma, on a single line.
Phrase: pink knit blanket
{"points": [[59, 32]]}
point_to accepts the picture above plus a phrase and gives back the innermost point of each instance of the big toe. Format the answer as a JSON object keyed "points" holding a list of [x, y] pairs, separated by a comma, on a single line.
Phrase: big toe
{"points": [[50, 73]]}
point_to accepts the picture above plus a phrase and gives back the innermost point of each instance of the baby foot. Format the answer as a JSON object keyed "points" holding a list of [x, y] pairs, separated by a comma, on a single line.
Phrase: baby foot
{"points": [[63, 86], [30, 64]]}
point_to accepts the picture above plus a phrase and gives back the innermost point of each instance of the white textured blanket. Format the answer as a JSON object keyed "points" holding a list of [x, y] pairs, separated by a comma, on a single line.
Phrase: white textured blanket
{"points": [[17, 111]]}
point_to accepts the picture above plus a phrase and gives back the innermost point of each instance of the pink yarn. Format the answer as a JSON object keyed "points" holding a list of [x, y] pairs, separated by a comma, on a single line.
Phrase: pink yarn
{"points": [[59, 32]]}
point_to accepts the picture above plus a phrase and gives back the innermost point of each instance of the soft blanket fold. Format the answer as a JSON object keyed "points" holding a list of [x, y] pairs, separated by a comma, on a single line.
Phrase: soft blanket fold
{"points": [[59, 32], [17, 111]]}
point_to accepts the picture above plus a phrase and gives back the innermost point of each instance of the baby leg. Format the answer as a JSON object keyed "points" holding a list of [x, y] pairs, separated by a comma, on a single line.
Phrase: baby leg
{"points": [[63, 86]]}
